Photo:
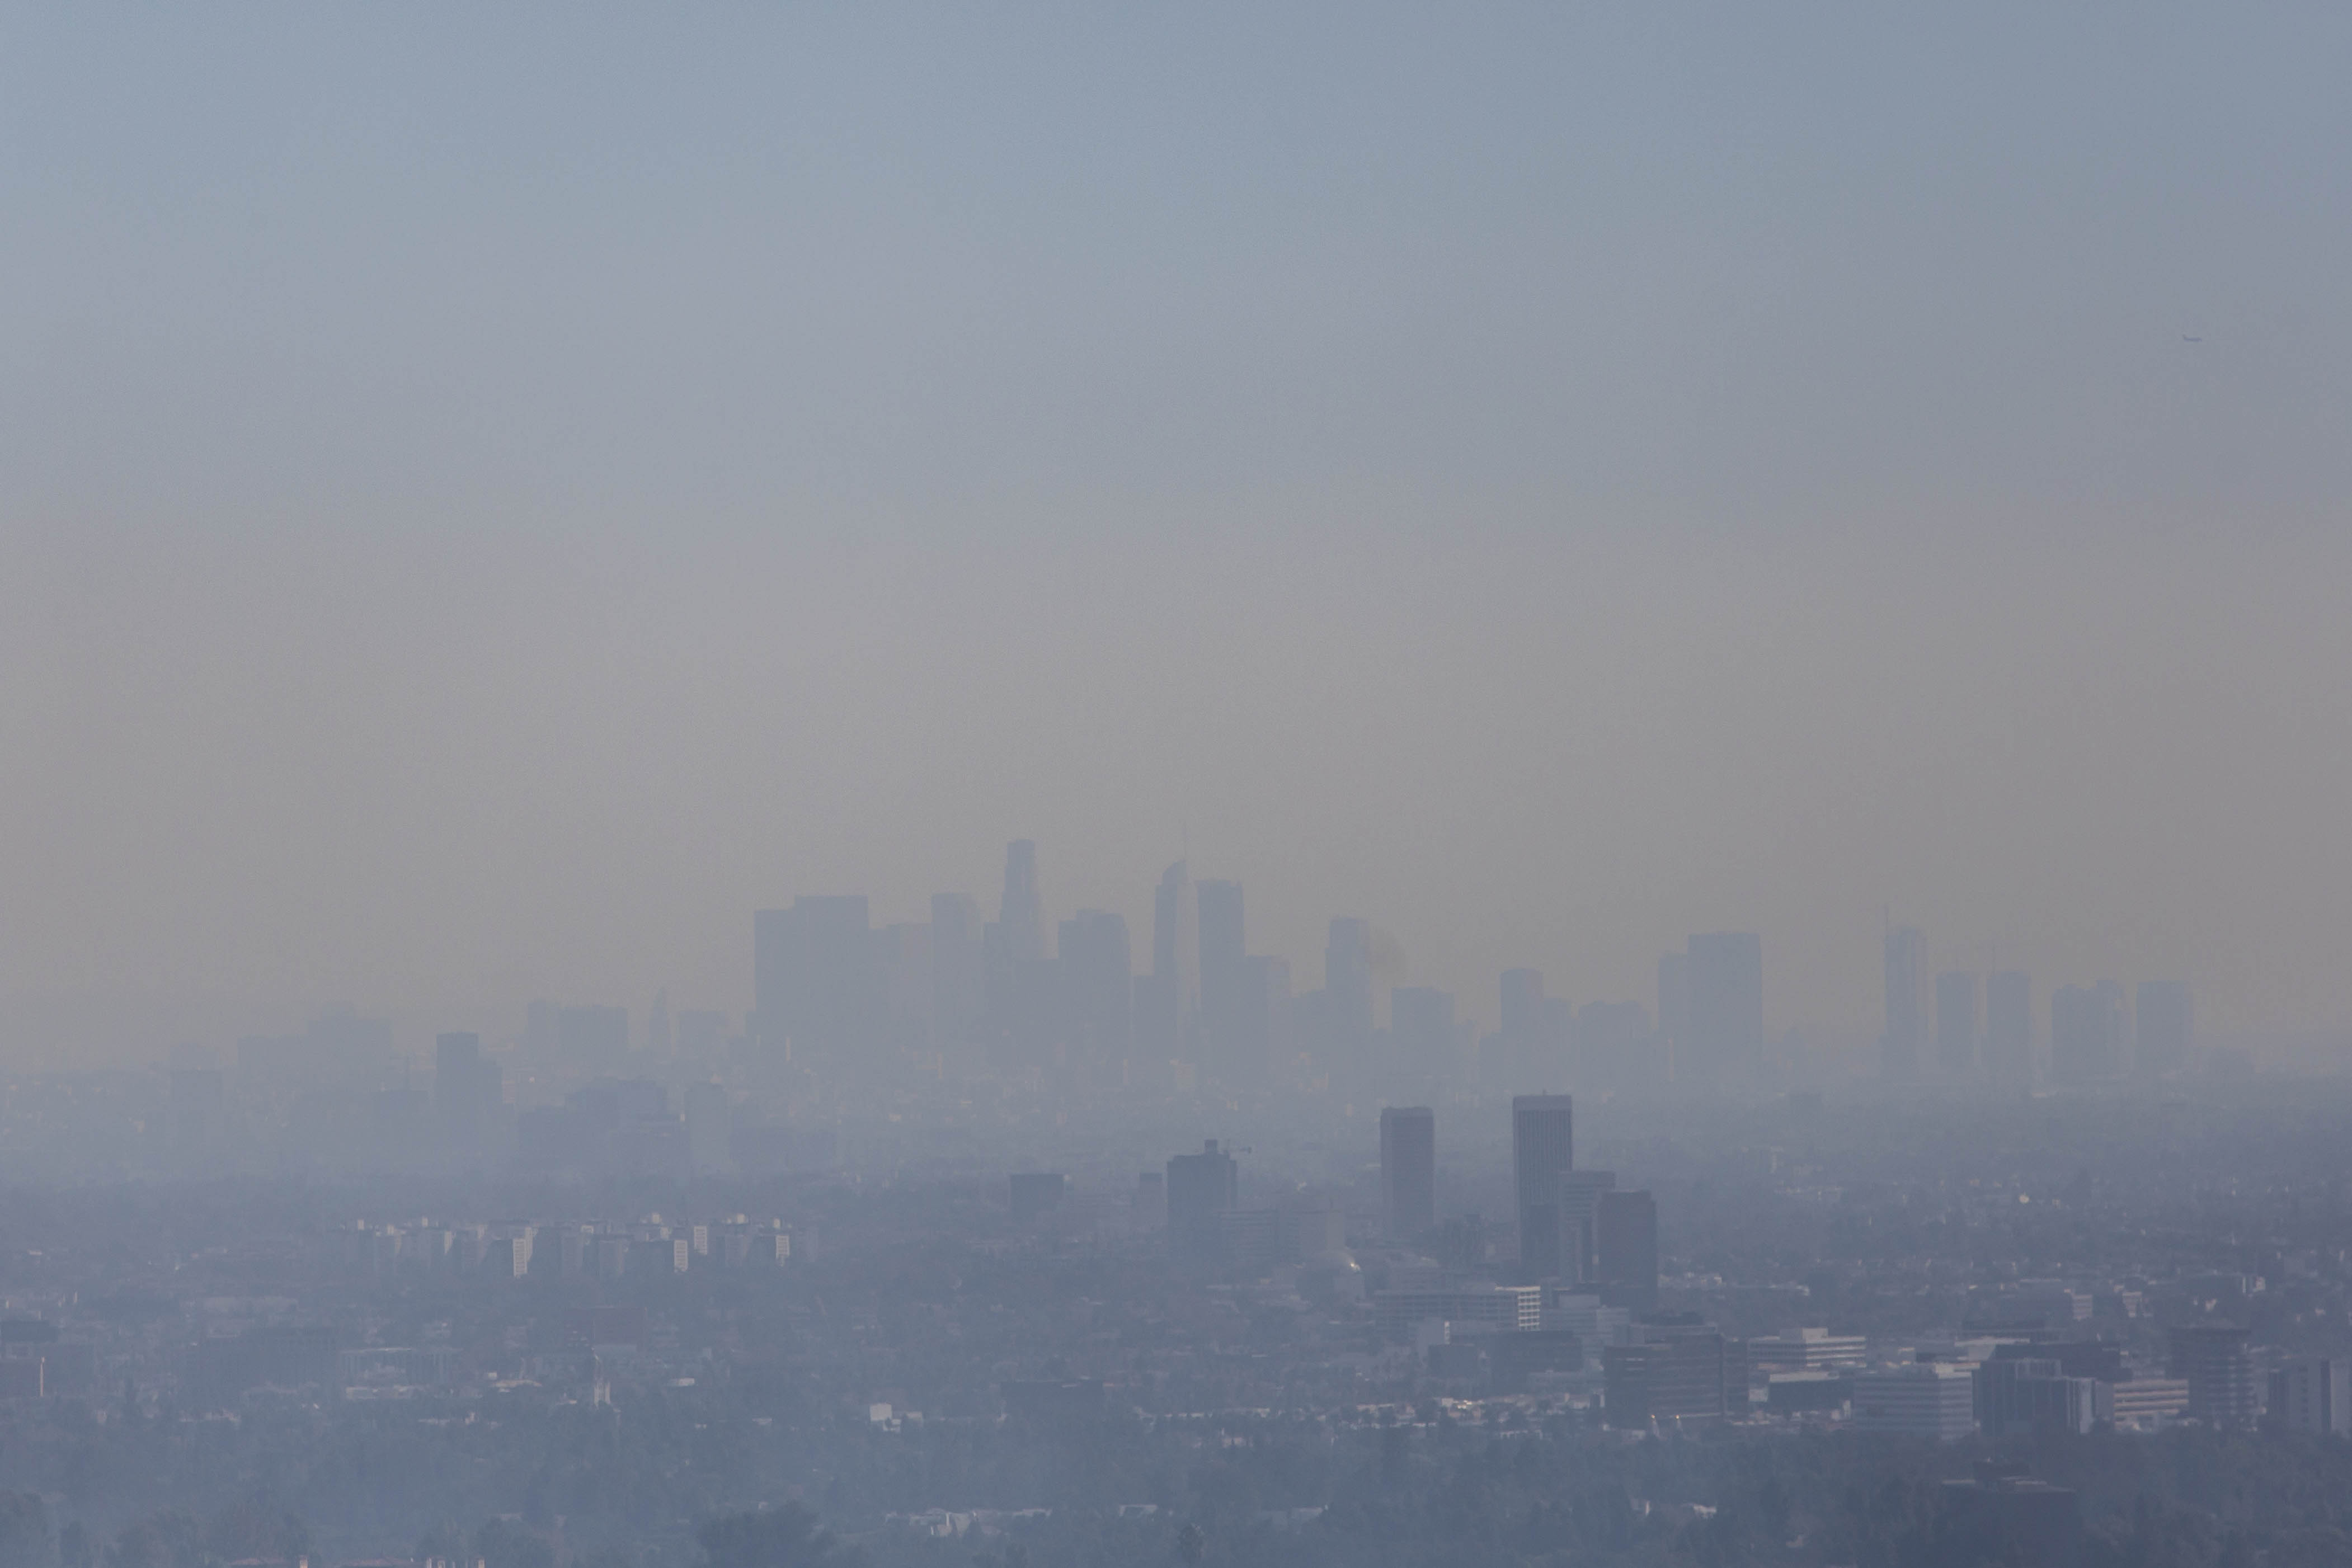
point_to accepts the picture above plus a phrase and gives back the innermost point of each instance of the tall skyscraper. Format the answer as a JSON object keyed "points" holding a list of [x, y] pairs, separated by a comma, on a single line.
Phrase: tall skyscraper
{"points": [[1408, 1172], [1726, 1007], [1224, 967], [1176, 959], [1201, 1187], [1907, 1002], [1579, 1223], [1627, 1249], [1957, 1025], [2008, 1027], [1099, 985], [2164, 1026], [1543, 1149]]}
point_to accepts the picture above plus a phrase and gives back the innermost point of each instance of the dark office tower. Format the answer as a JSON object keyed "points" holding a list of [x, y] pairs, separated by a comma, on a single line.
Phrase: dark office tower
{"points": [[1956, 1025], [1907, 1002], [1542, 1151], [816, 984], [2008, 1027], [958, 984], [2212, 1359], [1421, 1023], [1224, 959], [1099, 983], [1408, 1172], [1726, 982], [1347, 982], [1022, 915], [2087, 1033], [1625, 1246], [1176, 959], [1201, 1187], [2164, 1025], [1579, 1224]]}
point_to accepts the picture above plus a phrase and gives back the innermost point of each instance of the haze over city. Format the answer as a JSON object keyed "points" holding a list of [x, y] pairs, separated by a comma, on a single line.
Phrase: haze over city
{"points": [[1520, 785]]}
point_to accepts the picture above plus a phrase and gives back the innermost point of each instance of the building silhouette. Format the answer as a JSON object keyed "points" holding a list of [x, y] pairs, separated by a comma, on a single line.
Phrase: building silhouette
{"points": [[1542, 1151], [1625, 1247], [1579, 1223], [2212, 1358], [1958, 1023], [1201, 1189], [1408, 1172]]}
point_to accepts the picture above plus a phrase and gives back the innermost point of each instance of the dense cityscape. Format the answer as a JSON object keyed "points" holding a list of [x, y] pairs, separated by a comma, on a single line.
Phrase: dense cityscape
{"points": [[978, 1247]]}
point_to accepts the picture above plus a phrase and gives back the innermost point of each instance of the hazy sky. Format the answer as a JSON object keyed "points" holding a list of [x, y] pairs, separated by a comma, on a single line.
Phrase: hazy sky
{"points": [[489, 496]]}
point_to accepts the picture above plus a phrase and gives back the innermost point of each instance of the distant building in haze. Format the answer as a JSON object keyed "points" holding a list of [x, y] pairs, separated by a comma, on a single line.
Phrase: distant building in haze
{"points": [[2313, 1393], [1201, 1188], [1579, 1223], [1626, 1250], [2223, 1390], [1542, 1151], [1408, 1172]]}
